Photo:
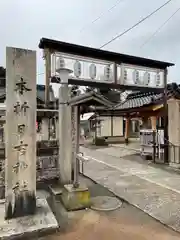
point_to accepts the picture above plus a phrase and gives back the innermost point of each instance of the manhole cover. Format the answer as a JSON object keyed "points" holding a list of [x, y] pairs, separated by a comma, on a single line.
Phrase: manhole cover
{"points": [[105, 203]]}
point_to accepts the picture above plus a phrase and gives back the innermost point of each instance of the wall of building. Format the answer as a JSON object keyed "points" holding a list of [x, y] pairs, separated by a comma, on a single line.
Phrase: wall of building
{"points": [[111, 126], [134, 128], [174, 132]]}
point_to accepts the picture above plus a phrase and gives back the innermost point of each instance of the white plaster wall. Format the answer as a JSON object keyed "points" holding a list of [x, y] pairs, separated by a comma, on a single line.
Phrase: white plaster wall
{"points": [[106, 126], [174, 130], [117, 126]]}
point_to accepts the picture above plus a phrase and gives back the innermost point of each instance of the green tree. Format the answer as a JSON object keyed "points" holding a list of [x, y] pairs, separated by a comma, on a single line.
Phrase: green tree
{"points": [[2, 72], [2, 76], [75, 91]]}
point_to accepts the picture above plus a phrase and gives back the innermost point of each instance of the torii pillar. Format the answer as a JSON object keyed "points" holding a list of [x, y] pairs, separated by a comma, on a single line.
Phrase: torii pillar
{"points": [[127, 125], [65, 139]]}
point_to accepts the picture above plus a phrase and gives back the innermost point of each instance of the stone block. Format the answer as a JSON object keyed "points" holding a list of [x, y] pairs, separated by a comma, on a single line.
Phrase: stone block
{"points": [[55, 190], [75, 198], [42, 222], [2, 192], [174, 165]]}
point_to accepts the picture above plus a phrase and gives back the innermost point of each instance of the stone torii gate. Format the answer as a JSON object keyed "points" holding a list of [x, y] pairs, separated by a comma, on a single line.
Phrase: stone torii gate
{"points": [[20, 167], [97, 68]]}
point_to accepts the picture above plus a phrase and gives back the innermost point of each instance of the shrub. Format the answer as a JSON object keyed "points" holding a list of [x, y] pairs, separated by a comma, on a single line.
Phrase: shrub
{"points": [[100, 141]]}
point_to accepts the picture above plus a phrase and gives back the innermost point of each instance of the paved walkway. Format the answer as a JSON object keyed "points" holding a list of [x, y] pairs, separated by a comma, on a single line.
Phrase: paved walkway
{"points": [[131, 146], [153, 190]]}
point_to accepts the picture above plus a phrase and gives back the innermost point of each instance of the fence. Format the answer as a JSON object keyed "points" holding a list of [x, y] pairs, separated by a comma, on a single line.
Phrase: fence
{"points": [[152, 143], [174, 153]]}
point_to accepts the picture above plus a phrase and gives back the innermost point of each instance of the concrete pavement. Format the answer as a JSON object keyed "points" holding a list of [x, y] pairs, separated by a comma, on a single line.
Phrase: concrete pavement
{"points": [[124, 223], [153, 190]]}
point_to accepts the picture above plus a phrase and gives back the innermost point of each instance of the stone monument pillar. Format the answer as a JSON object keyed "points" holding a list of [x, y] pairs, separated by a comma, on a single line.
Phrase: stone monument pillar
{"points": [[174, 132], [20, 133]]}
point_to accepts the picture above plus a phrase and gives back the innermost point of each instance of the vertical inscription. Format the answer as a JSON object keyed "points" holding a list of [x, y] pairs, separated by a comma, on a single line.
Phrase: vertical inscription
{"points": [[20, 172], [73, 135]]}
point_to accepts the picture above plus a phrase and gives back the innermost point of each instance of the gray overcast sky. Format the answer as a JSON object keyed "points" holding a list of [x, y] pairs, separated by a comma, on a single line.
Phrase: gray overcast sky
{"points": [[23, 23]]}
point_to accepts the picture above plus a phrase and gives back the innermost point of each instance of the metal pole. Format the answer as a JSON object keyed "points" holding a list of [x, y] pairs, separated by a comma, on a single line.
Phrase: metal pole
{"points": [[154, 146], [95, 125], [166, 137], [112, 127]]}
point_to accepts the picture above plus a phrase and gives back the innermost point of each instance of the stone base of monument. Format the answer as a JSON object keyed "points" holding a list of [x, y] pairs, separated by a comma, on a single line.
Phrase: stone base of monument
{"points": [[75, 198], [174, 165], [55, 190], [41, 223]]}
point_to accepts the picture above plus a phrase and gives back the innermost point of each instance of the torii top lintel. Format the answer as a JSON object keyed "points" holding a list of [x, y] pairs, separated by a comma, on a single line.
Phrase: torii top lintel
{"points": [[84, 51]]}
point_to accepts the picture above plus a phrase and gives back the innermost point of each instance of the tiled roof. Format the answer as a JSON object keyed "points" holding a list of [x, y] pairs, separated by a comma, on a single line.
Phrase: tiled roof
{"points": [[112, 96], [139, 99], [91, 97]]}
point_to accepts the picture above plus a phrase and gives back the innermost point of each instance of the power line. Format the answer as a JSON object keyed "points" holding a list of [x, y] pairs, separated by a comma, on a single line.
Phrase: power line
{"points": [[103, 14], [132, 26], [136, 24], [159, 28], [129, 29]]}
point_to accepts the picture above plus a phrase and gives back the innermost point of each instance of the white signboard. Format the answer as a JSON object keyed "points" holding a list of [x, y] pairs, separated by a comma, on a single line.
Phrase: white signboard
{"points": [[140, 76], [95, 70]]}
